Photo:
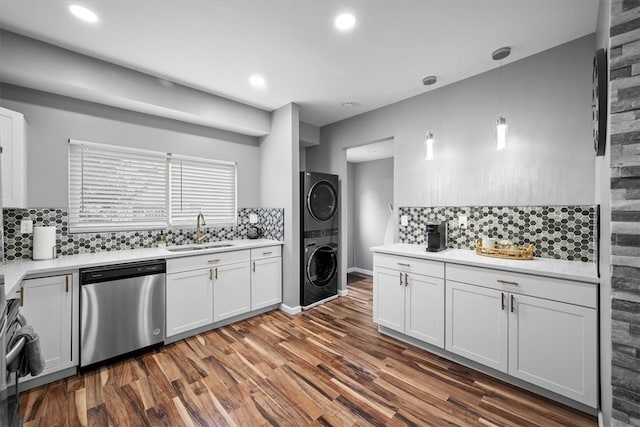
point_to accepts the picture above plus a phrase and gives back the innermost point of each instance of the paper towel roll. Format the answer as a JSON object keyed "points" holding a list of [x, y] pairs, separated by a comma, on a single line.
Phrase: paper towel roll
{"points": [[44, 242]]}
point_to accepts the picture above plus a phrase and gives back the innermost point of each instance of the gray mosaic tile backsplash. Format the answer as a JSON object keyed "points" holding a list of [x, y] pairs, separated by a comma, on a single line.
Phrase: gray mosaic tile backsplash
{"points": [[559, 232], [20, 246]]}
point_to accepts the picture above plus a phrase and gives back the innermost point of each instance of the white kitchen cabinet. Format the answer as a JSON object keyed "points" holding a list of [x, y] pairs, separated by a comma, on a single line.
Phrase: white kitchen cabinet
{"points": [[47, 304], [389, 298], [189, 300], [204, 289], [553, 345], [13, 158], [477, 322], [231, 290], [409, 302], [266, 277], [541, 330]]}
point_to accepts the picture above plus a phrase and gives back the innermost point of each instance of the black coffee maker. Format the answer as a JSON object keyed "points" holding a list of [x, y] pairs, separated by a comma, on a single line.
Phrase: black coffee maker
{"points": [[436, 236]]}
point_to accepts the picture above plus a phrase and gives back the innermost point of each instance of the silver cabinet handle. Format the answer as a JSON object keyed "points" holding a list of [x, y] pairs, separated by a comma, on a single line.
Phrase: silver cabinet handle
{"points": [[216, 273], [502, 300], [267, 253], [404, 264], [406, 279], [507, 282], [400, 278], [211, 261], [513, 303], [254, 266]]}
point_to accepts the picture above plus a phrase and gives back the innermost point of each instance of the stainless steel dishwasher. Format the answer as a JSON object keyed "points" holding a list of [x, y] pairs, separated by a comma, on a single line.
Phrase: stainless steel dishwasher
{"points": [[121, 309]]}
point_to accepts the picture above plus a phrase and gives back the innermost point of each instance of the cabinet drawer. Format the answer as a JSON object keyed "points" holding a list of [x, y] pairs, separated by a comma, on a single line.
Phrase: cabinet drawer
{"points": [[568, 291], [267, 252], [187, 263], [410, 265]]}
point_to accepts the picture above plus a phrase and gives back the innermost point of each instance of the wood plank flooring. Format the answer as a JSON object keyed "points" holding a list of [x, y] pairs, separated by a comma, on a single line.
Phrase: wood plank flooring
{"points": [[325, 367]]}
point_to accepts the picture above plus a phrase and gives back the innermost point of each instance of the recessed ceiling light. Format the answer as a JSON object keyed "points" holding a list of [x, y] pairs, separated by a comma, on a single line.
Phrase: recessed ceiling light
{"points": [[257, 80], [349, 104], [83, 13], [345, 22]]}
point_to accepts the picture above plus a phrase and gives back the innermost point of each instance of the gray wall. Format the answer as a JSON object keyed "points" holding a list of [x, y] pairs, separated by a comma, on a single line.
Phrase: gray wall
{"points": [[549, 160], [51, 120], [603, 198], [280, 187], [351, 215], [373, 188], [303, 159]]}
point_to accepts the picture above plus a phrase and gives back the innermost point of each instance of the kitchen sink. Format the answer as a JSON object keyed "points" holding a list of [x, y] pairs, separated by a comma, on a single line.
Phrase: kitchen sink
{"points": [[189, 248]]}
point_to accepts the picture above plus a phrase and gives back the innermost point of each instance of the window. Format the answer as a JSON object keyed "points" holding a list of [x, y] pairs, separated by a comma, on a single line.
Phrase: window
{"points": [[201, 185], [113, 188]]}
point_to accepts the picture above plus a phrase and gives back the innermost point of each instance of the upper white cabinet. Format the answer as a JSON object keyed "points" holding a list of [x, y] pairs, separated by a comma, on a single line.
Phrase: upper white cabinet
{"points": [[14, 159]]}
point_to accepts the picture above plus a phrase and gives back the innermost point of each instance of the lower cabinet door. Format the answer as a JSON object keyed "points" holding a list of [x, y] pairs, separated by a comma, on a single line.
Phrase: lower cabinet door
{"points": [[554, 345], [389, 298], [47, 307], [266, 282], [424, 309], [477, 324], [189, 300], [231, 290]]}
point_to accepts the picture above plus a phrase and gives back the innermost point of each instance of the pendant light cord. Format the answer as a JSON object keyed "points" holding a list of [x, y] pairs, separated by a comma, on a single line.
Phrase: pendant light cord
{"points": [[501, 88]]}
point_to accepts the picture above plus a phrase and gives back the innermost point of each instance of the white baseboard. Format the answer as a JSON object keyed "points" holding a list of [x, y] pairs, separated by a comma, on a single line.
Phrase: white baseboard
{"points": [[351, 270], [290, 310], [343, 292], [361, 271]]}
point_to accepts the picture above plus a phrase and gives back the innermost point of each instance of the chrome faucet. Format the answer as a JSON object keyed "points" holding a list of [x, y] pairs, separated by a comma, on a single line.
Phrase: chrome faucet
{"points": [[199, 237]]}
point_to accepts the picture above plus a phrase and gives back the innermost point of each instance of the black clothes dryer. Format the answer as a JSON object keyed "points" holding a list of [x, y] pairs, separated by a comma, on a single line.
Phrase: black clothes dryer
{"points": [[320, 201], [319, 270]]}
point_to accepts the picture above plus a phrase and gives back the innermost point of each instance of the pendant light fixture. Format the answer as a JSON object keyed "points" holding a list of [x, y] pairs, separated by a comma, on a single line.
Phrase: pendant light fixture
{"points": [[428, 143], [501, 123]]}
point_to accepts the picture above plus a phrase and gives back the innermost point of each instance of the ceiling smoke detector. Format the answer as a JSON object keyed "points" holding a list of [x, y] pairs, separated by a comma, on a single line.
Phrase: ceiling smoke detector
{"points": [[429, 80], [500, 54], [347, 105]]}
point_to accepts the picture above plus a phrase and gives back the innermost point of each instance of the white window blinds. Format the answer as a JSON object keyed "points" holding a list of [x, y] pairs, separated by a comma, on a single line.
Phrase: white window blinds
{"points": [[116, 188], [201, 185]]}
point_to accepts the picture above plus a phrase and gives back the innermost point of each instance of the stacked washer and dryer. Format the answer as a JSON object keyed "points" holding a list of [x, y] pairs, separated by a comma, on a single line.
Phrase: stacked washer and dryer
{"points": [[320, 219]]}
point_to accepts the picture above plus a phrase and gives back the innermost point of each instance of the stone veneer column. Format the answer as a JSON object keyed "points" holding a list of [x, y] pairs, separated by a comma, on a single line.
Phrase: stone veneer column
{"points": [[625, 210]]}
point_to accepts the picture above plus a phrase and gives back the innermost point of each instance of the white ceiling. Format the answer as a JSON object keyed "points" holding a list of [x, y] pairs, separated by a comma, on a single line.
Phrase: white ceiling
{"points": [[374, 151], [215, 45]]}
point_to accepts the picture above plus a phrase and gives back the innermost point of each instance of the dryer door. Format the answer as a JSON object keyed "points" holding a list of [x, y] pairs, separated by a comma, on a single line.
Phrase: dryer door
{"points": [[322, 266], [322, 201]]}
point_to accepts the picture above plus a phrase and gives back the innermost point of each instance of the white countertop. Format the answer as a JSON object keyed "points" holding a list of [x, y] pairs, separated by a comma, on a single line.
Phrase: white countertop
{"points": [[572, 270], [15, 271]]}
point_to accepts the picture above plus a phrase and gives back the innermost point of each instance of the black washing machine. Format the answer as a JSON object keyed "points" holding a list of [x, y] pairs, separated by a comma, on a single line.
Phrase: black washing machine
{"points": [[320, 201], [319, 270]]}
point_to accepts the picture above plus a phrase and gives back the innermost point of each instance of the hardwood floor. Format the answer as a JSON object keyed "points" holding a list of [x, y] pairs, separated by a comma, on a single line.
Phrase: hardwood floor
{"points": [[326, 366]]}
